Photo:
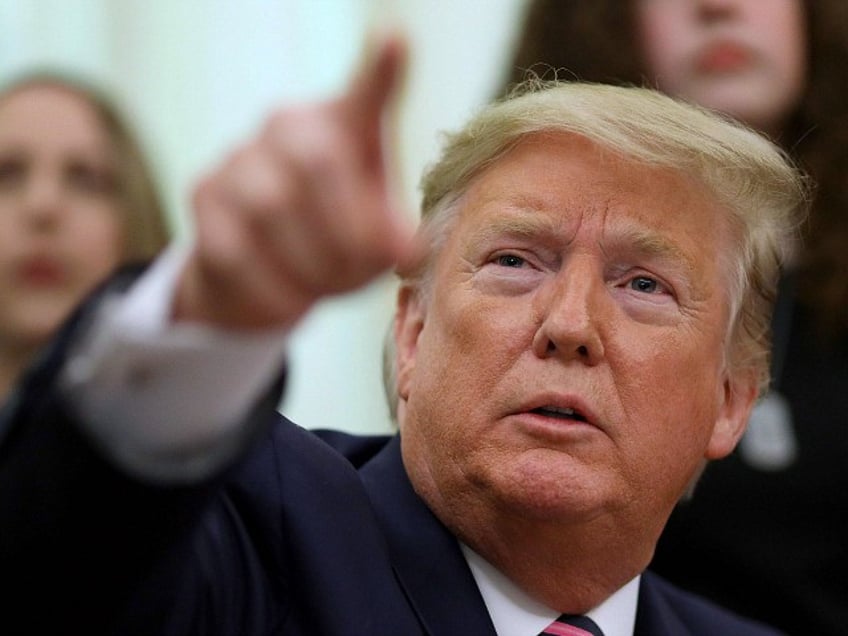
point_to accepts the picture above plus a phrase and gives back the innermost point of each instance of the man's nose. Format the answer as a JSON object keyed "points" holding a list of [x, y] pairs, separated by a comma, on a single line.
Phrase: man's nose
{"points": [[570, 317]]}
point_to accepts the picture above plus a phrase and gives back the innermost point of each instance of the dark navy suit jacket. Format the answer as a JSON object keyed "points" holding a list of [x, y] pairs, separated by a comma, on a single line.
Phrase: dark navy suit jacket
{"points": [[312, 534]]}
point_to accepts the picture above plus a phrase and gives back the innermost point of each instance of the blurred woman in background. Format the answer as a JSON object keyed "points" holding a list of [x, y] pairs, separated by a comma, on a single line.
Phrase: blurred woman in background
{"points": [[765, 532], [76, 200]]}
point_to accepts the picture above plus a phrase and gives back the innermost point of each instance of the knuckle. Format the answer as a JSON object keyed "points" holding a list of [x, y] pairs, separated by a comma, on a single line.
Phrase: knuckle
{"points": [[283, 123]]}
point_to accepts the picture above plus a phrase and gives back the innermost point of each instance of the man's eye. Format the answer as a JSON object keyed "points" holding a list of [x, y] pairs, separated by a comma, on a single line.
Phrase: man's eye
{"points": [[510, 260], [644, 284]]}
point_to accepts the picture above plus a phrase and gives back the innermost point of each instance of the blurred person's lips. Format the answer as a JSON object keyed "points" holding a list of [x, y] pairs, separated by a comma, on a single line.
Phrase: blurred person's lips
{"points": [[41, 271], [724, 56]]}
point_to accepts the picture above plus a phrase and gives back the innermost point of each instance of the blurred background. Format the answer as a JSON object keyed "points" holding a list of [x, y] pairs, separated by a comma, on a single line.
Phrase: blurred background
{"points": [[197, 76]]}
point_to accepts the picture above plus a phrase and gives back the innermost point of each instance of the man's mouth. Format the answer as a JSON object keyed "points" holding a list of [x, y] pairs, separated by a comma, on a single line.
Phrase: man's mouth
{"points": [[560, 413]]}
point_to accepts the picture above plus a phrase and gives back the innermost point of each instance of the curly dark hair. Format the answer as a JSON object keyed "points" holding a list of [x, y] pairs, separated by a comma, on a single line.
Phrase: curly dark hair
{"points": [[596, 41]]}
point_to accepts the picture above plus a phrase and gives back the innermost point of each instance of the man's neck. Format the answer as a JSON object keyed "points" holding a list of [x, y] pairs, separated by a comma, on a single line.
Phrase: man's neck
{"points": [[572, 565], [572, 573], [514, 612]]}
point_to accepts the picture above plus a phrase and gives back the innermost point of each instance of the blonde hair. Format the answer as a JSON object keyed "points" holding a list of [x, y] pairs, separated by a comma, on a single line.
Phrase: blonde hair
{"points": [[764, 194]]}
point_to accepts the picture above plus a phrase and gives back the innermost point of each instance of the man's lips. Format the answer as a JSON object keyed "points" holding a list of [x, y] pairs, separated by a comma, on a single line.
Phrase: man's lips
{"points": [[557, 408]]}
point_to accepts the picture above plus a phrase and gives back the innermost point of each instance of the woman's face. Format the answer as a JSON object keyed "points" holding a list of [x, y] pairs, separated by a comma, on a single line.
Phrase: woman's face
{"points": [[60, 228], [746, 58]]}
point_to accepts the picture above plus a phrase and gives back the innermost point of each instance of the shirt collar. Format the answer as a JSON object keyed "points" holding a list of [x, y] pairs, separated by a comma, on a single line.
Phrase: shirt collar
{"points": [[514, 613]]}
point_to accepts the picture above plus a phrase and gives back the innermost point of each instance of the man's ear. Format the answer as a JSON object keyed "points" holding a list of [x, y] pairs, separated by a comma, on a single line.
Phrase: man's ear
{"points": [[409, 321], [738, 395]]}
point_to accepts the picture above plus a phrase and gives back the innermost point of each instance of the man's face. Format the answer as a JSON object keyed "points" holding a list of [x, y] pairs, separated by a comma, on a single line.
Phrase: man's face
{"points": [[569, 363]]}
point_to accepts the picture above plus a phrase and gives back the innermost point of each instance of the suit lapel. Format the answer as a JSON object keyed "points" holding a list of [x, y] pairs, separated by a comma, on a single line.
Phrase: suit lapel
{"points": [[426, 557], [655, 616]]}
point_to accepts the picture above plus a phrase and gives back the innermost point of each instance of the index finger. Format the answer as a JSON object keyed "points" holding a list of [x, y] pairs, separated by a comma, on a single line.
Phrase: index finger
{"points": [[377, 81]]}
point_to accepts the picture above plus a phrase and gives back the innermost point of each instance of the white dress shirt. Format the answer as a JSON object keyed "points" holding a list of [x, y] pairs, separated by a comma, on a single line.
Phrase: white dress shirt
{"points": [[514, 613], [164, 400]]}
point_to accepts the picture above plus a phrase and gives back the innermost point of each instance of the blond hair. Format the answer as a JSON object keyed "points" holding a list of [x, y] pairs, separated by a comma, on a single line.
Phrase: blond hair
{"points": [[763, 193]]}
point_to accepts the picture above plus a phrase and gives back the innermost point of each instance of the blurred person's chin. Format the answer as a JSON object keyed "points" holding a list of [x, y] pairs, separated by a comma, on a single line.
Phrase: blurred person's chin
{"points": [[763, 103]]}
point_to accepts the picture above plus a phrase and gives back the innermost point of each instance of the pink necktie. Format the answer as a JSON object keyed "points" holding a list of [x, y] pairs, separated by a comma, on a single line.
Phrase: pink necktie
{"points": [[571, 625]]}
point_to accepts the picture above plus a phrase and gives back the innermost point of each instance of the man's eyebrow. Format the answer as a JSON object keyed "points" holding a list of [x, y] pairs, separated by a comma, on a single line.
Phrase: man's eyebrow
{"points": [[653, 244], [523, 226], [522, 223]]}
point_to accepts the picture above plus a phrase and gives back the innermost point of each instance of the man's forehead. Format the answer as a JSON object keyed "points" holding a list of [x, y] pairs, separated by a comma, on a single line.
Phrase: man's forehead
{"points": [[642, 208], [548, 164]]}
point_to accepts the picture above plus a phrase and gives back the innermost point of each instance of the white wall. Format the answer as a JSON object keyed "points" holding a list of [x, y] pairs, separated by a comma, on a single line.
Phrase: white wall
{"points": [[198, 75]]}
